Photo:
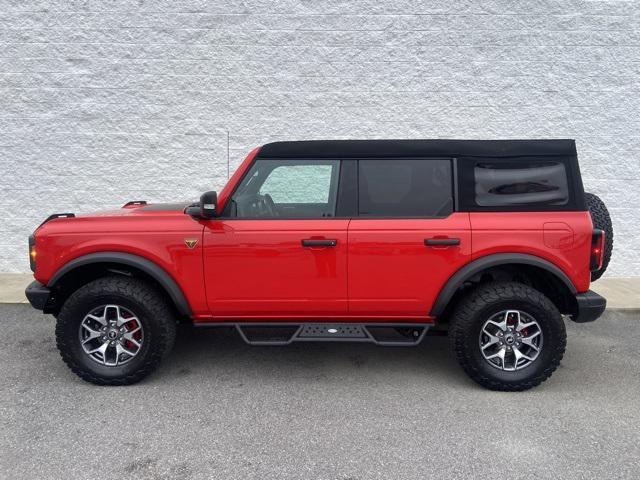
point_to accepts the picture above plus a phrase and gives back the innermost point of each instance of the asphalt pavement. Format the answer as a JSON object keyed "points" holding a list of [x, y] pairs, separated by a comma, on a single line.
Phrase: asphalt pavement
{"points": [[220, 409]]}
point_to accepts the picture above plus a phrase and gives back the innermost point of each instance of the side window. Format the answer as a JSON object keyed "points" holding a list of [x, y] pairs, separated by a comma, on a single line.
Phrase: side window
{"points": [[499, 184], [405, 188], [289, 189], [299, 184]]}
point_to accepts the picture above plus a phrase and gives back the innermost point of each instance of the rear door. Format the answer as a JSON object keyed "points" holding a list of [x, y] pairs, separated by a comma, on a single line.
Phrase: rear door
{"points": [[406, 240]]}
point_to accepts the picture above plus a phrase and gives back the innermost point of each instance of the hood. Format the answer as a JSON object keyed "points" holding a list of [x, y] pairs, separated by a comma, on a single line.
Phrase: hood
{"points": [[141, 208], [132, 216]]}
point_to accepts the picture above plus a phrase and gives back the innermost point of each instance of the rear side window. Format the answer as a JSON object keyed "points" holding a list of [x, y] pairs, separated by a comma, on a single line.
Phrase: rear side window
{"points": [[519, 184], [405, 188], [503, 184]]}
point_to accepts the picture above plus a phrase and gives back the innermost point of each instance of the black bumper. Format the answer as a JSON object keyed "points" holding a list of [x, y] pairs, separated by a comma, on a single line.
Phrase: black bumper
{"points": [[38, 295], [590, 307]]}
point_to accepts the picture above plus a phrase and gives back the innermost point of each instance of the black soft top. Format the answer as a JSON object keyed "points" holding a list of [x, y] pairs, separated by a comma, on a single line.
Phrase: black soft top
{"points": [[418, 148]]}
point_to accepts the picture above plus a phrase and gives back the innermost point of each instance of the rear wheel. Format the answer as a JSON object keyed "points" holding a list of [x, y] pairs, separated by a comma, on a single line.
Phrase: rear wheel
{"points": [[602, 220], [508, 336], [115, 331]]}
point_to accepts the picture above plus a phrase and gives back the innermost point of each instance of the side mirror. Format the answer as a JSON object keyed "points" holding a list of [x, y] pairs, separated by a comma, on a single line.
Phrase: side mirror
{"points": [[205, 208], [208, 204]]}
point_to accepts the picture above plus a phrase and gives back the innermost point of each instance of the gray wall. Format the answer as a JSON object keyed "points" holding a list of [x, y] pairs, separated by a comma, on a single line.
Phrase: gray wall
{"points": [[107, 101]]}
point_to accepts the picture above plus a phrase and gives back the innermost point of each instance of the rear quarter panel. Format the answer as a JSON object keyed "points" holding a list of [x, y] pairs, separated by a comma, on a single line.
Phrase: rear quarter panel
{"points": [[562, 238]]}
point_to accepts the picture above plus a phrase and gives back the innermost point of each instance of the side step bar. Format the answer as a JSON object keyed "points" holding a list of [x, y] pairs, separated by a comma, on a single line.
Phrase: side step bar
{"points": [[383, 334]]}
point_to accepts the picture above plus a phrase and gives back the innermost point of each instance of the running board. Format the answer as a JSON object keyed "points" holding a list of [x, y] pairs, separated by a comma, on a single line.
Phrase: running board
{"points": [[384, 334]]}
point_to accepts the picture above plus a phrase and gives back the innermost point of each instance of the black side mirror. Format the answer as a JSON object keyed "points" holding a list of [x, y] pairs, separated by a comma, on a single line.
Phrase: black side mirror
{"points": [[205, 208], [208, 204]]}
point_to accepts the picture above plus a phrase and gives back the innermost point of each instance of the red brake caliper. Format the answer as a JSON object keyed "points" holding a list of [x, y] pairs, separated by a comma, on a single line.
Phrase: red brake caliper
{"points": [[137, 335]]}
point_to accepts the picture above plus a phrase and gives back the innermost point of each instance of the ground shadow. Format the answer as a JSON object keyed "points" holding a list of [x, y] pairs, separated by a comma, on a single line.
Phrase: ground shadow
{"points": [[197, 350]]}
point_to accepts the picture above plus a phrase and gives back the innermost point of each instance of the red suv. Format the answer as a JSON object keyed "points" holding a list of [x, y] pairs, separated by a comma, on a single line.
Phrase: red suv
{"points": [[381, 241]]}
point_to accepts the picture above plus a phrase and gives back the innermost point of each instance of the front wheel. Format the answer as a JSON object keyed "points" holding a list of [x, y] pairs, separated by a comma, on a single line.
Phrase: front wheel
{"points": [[508, 336], [115, 331]]}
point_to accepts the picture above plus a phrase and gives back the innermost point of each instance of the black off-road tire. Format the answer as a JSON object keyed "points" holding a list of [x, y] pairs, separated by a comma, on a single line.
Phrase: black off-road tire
{"points": [[153, 311], [484, 302], [602, 220]]}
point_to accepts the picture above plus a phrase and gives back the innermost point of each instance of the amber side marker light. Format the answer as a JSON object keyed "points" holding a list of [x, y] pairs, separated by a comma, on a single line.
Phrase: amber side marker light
{"points": [[32, 253], [597, 250]]}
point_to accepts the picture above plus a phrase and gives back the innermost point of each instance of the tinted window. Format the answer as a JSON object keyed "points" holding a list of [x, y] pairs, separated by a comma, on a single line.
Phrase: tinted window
{"points": [[520, 183], [288, 188], [404, 188]]}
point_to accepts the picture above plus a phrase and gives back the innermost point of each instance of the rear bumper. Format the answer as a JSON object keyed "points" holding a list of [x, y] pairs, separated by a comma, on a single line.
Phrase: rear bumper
{"points": [[38, 295], [590, 307]]}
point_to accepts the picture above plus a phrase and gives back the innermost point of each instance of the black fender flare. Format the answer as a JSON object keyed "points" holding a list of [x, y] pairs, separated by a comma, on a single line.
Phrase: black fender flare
{"points": [[152, 269], [493, 260]]}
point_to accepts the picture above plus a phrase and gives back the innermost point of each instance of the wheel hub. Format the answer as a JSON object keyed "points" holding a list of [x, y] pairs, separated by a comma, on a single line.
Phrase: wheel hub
{"points": [[510, 340], [111, 335]]}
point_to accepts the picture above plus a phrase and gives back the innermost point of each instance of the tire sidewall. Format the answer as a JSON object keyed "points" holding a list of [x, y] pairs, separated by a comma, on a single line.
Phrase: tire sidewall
{"points": [[552, 328], [601, 219], [75, 311]]}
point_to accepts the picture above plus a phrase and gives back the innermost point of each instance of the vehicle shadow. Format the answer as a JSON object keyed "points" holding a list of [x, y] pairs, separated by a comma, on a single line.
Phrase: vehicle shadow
{"points": [[214, 351]]}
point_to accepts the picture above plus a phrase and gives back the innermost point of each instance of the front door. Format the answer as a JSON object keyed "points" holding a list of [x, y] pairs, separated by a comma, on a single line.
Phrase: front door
{"points": [[407, 240], [278, 251]]}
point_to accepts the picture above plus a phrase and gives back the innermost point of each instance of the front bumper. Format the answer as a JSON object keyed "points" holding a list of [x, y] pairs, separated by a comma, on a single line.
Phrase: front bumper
{"points": [[590, 307], [38, 295]]}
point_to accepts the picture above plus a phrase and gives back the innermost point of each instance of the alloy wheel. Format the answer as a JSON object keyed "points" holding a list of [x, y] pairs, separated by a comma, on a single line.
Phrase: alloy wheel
{"points": [[111, 335], [511, 340]]}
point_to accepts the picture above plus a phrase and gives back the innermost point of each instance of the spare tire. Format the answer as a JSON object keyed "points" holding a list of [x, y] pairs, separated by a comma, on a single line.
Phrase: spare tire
{"points": [[602, 220]]}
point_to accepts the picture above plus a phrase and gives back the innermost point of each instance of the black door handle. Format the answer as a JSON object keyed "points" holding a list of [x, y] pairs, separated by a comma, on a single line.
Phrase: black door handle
{"points": [[432, 242], [318, 242]]}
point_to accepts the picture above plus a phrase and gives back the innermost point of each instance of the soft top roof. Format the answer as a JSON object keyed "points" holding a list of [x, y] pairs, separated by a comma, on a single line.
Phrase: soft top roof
{"points": [[418, 148]]}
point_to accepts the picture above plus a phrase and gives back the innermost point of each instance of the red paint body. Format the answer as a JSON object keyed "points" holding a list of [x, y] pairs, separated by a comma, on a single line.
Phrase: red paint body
{"points": [[257, 269], [391, 272]]}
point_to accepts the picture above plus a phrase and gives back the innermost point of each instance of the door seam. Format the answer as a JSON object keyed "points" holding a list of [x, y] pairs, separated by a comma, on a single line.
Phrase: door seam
{"points": [[347, 262]]}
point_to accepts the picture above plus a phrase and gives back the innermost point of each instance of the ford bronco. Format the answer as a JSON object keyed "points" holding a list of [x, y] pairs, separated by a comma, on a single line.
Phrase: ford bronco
{"points": [[382, 241]]}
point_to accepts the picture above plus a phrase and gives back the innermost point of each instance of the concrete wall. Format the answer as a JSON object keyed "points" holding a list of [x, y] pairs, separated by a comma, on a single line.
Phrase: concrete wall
{"points": [[107, 101]]}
